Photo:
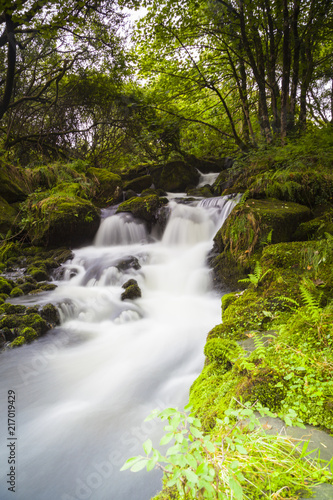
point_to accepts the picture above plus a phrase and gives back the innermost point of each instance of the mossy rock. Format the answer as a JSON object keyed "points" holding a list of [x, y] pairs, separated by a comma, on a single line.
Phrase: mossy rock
{"points": [[254, 223], [139, 184], [108, 185], [307, 187], [227, 299], [261, 386], [38, 274], [62, 220], [222, 351], [29, 334], [204, 192], [36, 322], [175, 176], [158, 192], [227, 271], [10, 321], [9, 308], [210, 164], [132, 290], [145, 207], [18, 342], [8, 215], [221, 183], [51, 314], [13, 184], [317, 227], [5, 286], [16, 292]]}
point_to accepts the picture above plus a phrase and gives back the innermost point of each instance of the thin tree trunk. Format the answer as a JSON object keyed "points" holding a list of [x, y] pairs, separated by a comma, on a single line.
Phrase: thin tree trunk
{"points": [[295, 68], [11, 64], [285, 72]]}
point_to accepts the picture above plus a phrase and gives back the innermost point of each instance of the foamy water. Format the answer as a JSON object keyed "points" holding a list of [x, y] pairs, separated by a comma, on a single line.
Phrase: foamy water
{"points": [[84, 390]]}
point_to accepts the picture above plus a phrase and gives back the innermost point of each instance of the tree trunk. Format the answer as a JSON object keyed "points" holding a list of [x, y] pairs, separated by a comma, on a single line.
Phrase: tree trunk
{"points": [[285, 72], [295, 68], [11, 64]]}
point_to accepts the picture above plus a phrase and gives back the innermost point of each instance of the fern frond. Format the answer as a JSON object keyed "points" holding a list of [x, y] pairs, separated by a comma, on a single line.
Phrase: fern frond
{"points": [[260, 350], [312, 304]]}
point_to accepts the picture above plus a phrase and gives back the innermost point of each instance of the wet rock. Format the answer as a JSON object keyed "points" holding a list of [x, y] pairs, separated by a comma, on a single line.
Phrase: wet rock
{"points": [[5, 286], [132, 290], [38, 274], [139, 184], [51, 314], [108, 186], [61, 220], [16, 292], [128, 263], [209, 164], [145, 207], [175, 176], [204, 192], [129, 194]]}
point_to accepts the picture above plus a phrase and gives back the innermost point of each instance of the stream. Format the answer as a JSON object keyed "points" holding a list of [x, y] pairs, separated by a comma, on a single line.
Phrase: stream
{"points": [[82, 392]]}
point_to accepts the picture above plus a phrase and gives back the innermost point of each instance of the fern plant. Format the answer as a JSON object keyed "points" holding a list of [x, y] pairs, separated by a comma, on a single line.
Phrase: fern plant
{"points": [[257, 275], [313, 308]]}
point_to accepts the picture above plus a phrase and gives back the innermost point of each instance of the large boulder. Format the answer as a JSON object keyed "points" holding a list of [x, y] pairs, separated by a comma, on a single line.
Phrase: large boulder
{"points": [[62, 221], [139, 184], [143, 207], [8, 216], [13, 184], [175, 176], [209, 164], [248, 229], [256, 222], [108, 185]]}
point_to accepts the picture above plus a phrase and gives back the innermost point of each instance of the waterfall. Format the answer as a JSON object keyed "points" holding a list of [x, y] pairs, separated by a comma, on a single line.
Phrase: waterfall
{"points": [[83, 390]]}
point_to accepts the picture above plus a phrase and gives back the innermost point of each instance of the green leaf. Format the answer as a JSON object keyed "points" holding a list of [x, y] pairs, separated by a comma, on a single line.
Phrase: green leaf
{"points": [[191, 461], [195, 432], [241, 449], [236, 488], [147, 446], [151, 464], [130, 462], [139, 465], [167, 438], [191, 476]]}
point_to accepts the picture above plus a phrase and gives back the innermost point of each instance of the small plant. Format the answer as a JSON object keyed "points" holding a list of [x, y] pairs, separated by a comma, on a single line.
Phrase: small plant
{"points": [[257, 275], [238, 462]]}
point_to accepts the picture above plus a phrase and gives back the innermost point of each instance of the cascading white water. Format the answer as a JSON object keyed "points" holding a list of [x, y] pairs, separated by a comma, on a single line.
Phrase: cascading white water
{"points": [[84, 390]]}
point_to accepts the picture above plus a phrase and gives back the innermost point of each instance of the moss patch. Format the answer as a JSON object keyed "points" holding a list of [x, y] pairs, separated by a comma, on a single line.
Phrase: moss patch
{"points": [[145, 207]]}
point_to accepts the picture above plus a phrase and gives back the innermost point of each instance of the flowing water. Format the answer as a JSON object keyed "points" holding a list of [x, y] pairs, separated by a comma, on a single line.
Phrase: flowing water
{"points": [[83, 390]]}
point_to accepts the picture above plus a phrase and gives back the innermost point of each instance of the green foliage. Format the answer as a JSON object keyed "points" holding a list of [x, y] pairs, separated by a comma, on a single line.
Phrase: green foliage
{"points": [[225, 464], [257, 277]]}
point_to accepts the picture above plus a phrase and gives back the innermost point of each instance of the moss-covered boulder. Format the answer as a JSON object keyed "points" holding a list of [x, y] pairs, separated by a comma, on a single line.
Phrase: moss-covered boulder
{"points": [[16, 292], [145, 207], [108, 185], [13, 184], [223, 182], [139, 184], [204, 192], [51, 314], [254, 223], [59, 220], [175, 176], [8, 215], [5, 286], [29, 334], [18, 342], [210, 164]]}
